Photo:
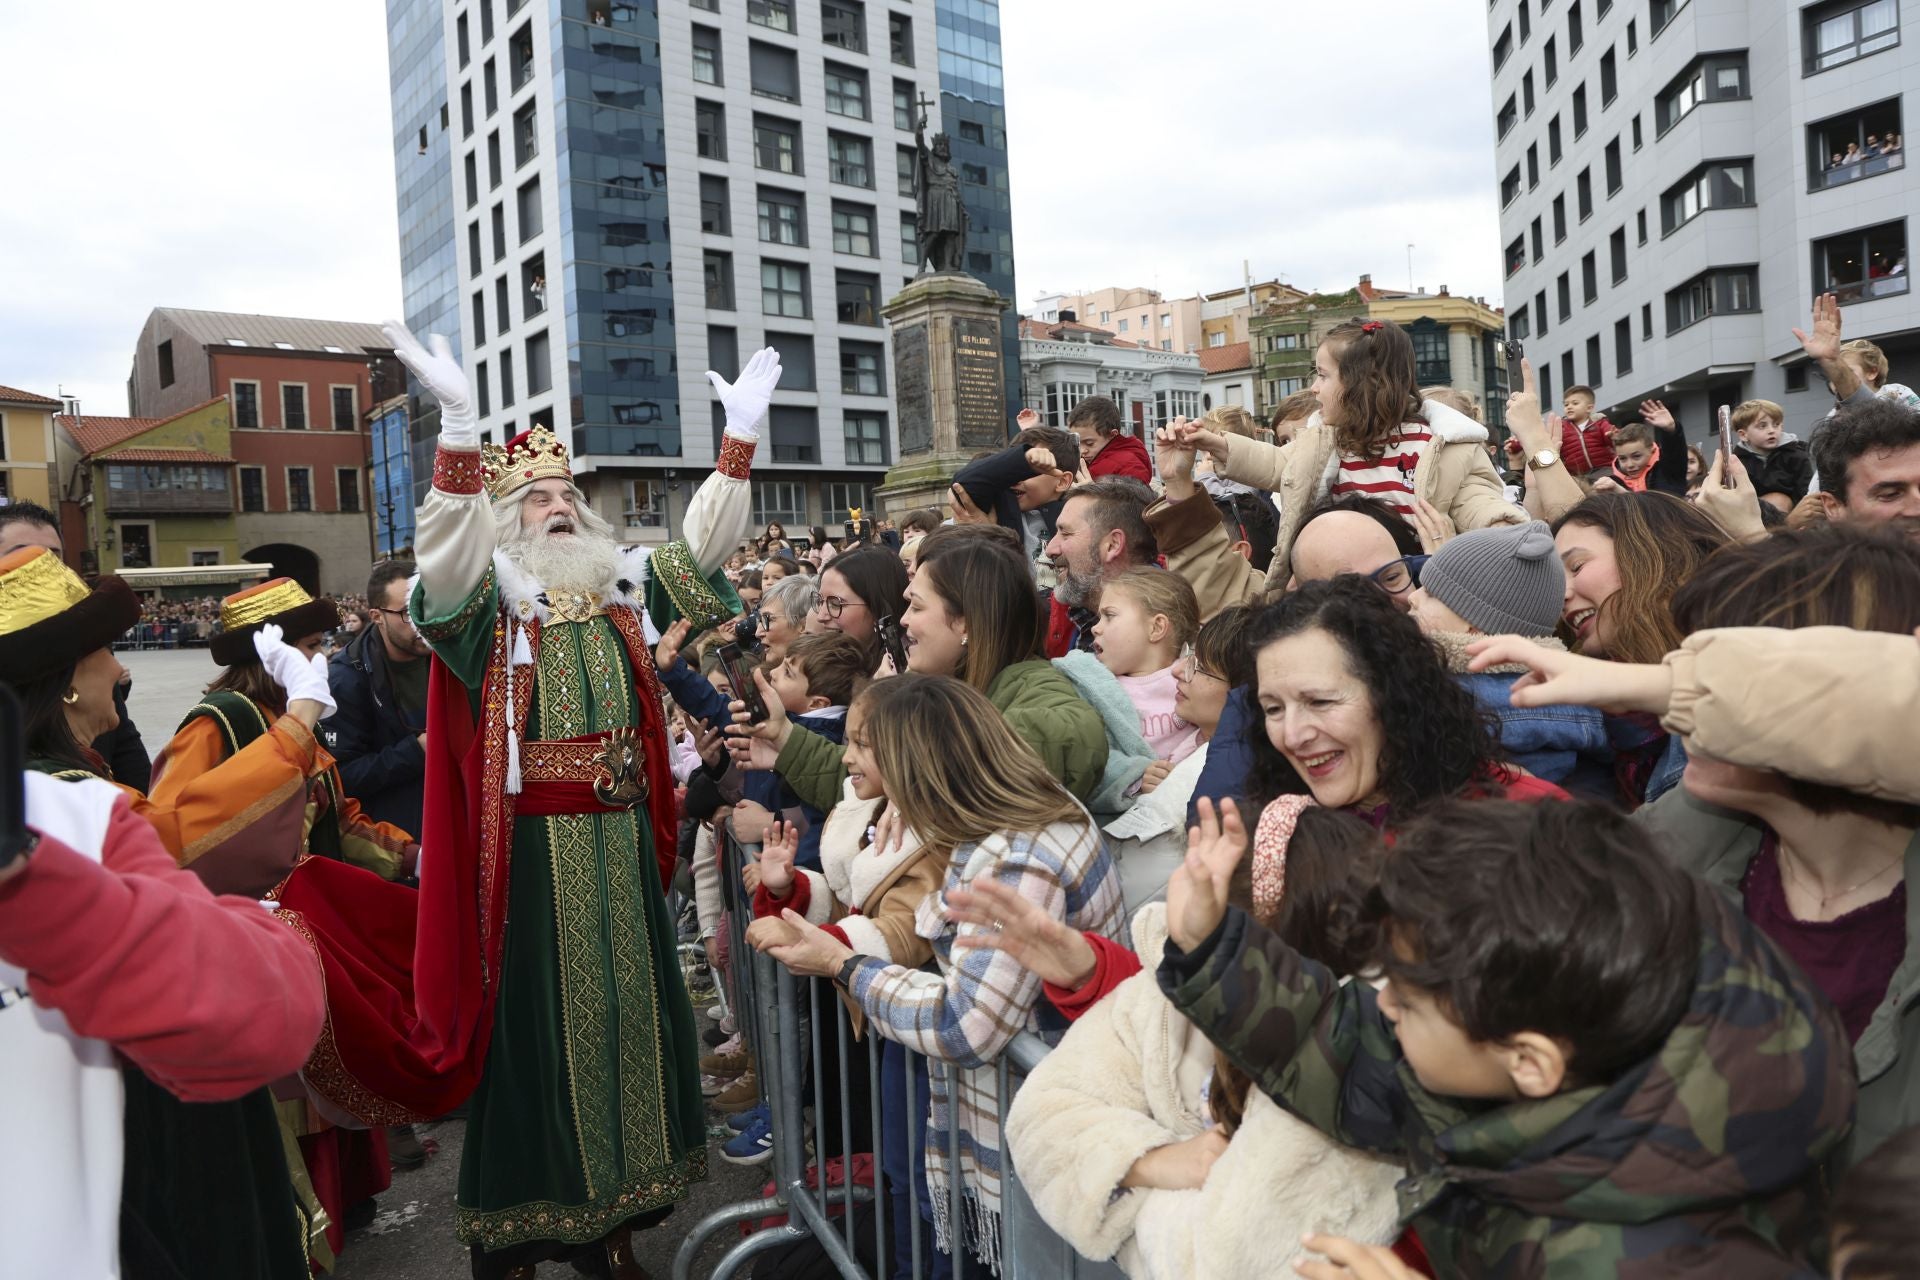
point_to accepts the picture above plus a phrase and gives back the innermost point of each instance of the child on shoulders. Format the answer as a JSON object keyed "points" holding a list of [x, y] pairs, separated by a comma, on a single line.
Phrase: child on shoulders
{"points": [[1147, 616]]}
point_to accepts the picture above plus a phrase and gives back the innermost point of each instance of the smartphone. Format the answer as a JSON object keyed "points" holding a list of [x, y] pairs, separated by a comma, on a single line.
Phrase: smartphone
{"points": [[1727, 461], [893, 642], [15, 840], [1516, 352], [740, 675]]}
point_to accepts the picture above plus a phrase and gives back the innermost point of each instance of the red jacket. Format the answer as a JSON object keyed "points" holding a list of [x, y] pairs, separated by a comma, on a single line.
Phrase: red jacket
{"points": [[1587, 448], [1124, 455]]}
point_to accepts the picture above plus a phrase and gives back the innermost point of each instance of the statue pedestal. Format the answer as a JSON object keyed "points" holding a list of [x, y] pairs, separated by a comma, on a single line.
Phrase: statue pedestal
{"points": [[949, 388]]}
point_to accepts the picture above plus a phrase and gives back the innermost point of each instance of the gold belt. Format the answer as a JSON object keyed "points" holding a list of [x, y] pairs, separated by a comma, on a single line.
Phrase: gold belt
{"points": [[615, 764]]}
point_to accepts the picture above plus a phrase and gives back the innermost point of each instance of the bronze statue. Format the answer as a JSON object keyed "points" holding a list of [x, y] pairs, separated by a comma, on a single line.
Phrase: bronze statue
{"points": [[936, 192]]}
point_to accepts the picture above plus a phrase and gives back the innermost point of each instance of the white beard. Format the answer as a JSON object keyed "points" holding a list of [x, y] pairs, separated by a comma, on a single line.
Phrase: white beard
{"points": [[582, 562]]}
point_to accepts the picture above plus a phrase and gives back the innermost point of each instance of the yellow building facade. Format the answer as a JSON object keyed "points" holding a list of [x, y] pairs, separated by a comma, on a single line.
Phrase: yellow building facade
{"points": [[27, 472]]}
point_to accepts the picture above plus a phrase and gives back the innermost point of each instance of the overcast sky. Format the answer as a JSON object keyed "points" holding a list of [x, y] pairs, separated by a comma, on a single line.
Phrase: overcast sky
{"points": [[237, 156]]}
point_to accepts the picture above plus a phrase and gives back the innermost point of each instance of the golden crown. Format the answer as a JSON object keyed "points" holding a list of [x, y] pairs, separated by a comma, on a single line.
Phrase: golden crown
{"points": [[532, 455], [260, 603]]}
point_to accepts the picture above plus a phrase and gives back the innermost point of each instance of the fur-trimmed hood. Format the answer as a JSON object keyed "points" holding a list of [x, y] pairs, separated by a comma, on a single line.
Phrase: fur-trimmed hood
{"points": [[1453, 651]]}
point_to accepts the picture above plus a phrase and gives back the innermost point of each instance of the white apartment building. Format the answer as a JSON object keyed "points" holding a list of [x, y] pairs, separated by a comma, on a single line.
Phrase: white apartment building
{"points": [[1671, 201], [1065, 361]]}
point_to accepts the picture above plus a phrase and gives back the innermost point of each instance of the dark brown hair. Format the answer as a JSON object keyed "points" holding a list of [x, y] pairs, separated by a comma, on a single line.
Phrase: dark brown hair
{"points": [[1098, 412], [1659, 542], [835, 664], [1855, 430], [47, 732], [1301, 404], [988, 584], [1379, 392], [250, 680], [1064, 445], [1119, 502]]}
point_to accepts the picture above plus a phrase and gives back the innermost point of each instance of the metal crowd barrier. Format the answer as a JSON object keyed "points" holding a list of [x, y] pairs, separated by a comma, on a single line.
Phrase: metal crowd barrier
{"points": [[768, 1004]]}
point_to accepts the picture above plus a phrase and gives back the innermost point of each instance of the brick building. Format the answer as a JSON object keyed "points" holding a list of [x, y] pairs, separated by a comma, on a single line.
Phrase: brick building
{"points": [[298, 393]]}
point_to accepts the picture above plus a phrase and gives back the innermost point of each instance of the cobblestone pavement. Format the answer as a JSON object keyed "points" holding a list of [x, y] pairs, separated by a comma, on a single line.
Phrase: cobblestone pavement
{"points": [[411, 1237]]}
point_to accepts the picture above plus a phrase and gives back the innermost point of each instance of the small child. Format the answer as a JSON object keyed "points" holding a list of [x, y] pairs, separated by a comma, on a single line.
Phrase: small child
{"points": [[1780, 466], [1147, 617], [1590, 1062], [1634, 453], [1586, 442]]}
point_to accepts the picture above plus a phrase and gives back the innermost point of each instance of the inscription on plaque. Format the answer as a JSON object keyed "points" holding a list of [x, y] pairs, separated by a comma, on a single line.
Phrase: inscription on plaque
{"points": [[979, 384], [912, 395]]}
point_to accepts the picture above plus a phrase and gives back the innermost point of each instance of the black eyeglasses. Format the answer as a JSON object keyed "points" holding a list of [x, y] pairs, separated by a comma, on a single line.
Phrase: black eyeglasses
{"points": [[833, 606], [1397, 577]]}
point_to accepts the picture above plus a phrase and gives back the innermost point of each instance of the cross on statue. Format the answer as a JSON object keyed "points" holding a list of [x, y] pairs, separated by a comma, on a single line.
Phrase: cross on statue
{"points": [[940, 215], [924, 103]]}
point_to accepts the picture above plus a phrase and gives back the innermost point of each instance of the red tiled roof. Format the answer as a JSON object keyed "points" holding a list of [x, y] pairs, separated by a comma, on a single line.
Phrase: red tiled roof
{"points": [[1235, 355], [167, 455], [92, 434], [13, 395], [1031, 328]]}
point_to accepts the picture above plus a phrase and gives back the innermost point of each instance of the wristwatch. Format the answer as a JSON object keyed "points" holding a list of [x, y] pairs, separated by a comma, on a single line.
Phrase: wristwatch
{"points": [[845, 976], [1542, 460]]}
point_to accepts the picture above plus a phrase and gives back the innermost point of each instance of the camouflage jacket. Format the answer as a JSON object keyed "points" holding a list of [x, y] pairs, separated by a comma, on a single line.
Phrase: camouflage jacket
{"points": [[1706, 1160]]}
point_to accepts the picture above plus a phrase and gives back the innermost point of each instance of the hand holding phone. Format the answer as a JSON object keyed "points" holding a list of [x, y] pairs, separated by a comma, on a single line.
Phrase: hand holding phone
{"points": [[1726, 448], [895, 644], [740, 676]]}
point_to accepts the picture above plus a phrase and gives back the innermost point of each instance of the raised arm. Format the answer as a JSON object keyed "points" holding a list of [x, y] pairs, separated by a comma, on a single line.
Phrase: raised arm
{"points": [[718, 516], [456, 536]]}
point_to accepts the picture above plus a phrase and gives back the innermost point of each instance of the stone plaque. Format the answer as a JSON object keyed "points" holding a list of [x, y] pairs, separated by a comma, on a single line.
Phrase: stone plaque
{"points": [[912, 396], [979, 384]]}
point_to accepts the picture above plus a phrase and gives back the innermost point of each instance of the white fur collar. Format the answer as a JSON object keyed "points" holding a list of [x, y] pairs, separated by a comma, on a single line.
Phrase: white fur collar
{"points": [[1451, 425], [525, 598], [853, 872]]}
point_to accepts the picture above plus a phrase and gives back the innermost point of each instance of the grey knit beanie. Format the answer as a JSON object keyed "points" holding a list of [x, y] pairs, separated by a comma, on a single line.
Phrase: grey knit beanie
{"points": [[1505, 580]]}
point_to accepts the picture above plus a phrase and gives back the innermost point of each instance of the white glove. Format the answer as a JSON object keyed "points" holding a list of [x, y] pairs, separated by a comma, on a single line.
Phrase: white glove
{"points": [[747, 397], [292, 670], [442, 375]]}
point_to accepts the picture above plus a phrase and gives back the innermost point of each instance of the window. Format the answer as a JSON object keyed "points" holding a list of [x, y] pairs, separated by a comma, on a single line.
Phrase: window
{"points": [[1579, 110], [346, 483], [1576, 31], [866, 437], [1797, 377], [293, 406], [466, 110], [860, 369], [1583, 194], [783, 289], [498, 221], [795, 432], [1526, 94], [1545, 374], [1716, 77], [1503, 47], [480, 316], [903, 170], [1612, 160], [486, 22], [719, 278], [1516, 256], [492, 87], [1646, 322], [539, 365], [1636, 133], [506, 379], [1508, 117], [1540, 320], [1526, 21], [1432, 363], [853, 229], [1859, 266], [776, 145], [644, 504], [1533, 166], [716, 216], [1640, 222], [1550, 62], [1553, 141], [475, 263], [706, 56], [1567, 374], [843, 497], [849, 160], [857, 297], [774, 72], [1836, 34], [843, 25], [165, 352], [903, 105], [1595, 374], [1633, 37], [500, 296], [783, 501], [723, 351], [527, 205], [796, 360], [1537, 239], [1564, 286], [900, 38], [1662, 12], [1617, 254], [1559, 219], [783, 217], [1609, 79], [910, 239], [493, 160], [1522, 329], [253, 488], [483, 389], [1623, 346], [460, 39], [520, 56], [299, 488], [847, 91], [346, 414], [1718, 184], [1510, 187], [1847, 148], [710, 130], [525, 145], [775, 14], [1722, 291], [1589, 278], [472, 175]]}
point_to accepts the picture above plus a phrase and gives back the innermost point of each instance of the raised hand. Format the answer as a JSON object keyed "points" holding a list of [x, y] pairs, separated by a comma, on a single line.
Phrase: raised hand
{"points": [[1523, 414], [964, 510], [1173, 458], [1733, 505], [292, 671], [1195, 436], [776, 858], [1555, 677], [1197, 893], [1007, 922], [1823, 344], [1026, 420], [667, 652], [746, 398], [1656, 415], [440, 373]]}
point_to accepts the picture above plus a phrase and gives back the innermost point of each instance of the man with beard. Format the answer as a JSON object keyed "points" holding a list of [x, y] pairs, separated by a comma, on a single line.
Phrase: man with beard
{"points": [[1102, 531], [549, 815], [1868, 457]]}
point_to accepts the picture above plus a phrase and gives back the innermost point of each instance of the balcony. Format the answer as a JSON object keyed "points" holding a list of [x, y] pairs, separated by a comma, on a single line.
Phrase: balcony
{"points": [[169, 501]]}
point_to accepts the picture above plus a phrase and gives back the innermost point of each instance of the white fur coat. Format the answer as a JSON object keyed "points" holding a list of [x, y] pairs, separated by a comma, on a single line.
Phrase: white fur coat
{"points": [[1129, 1077]]}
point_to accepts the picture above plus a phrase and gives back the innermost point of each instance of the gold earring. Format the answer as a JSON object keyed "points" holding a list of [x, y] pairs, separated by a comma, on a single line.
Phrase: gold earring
{"points": [[72, 696]]}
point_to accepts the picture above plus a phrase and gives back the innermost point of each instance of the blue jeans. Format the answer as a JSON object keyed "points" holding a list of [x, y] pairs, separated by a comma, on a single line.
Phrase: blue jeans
{"points": [[903, 1160]]}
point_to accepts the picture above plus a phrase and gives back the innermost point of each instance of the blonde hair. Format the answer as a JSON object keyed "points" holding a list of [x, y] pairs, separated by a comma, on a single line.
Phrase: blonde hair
{"points": [[1453, 399], [1234, 420], [986, 780], [1873, 361], [1749, 413], [1163, 592]]}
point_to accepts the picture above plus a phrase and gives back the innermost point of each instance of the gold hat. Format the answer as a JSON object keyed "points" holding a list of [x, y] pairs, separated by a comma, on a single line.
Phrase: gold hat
{"points": [[278, 600], [530, 456], [50, 619]]}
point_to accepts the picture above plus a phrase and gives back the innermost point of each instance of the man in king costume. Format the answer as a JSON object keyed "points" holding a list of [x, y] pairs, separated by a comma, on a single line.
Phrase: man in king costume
{"points": [[549, 830]]}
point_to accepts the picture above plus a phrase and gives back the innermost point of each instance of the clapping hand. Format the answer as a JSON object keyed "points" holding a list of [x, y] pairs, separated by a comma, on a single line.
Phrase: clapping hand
{"points": [[746, 398], [1005, 921], [1197, 893]]}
